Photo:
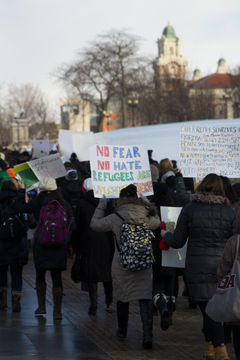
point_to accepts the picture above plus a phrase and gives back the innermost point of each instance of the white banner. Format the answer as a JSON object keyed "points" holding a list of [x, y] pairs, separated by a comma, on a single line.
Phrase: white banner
{"points": [[49, 166], [172, 257], [115, 167], [208, 149]]}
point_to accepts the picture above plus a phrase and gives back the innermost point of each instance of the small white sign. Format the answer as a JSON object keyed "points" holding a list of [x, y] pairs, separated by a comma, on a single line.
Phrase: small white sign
{"points": [[172, 257], [43, 145], [50, 166], [37, 153]]}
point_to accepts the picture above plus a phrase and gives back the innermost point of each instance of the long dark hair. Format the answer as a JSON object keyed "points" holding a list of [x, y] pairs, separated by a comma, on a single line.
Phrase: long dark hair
{"points": [[229, 191], [212, 183], [55, 194]]}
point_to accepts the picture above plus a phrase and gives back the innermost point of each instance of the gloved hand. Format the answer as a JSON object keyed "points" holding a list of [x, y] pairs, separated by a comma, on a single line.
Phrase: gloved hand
{"points": [[103, 200], [144, 198], [163, 245]]}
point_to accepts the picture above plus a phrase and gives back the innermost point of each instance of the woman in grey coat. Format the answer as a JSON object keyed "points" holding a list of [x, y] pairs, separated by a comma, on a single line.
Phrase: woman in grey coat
{"points": [[129, 285]]}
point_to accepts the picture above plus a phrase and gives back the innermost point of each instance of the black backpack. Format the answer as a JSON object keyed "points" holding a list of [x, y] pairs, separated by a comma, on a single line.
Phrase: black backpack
{"points": [[12, 224]]}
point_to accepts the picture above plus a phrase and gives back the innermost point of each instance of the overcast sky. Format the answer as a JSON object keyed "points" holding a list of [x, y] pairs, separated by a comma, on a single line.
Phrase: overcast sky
{"points": [[39, 35]]}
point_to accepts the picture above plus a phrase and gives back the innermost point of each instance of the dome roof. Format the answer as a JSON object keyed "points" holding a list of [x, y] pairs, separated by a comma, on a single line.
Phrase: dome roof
{"points": [[169, 32], [221, 60]]}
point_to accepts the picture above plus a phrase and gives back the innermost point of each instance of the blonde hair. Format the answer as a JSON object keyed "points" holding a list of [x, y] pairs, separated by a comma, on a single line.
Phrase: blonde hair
{"points": [[165, 166]]}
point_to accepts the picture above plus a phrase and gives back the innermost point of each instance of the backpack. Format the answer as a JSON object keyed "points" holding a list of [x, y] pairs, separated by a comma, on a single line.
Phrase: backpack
{"points": [[74, 202], [12, 224], [52, 229], [135, 251]]}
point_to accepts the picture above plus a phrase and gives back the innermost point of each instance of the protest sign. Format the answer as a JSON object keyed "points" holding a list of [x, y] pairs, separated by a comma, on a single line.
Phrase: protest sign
{"points": [[25, 173], [37, 153], [65, 140], [172, 257], [115, 167], [82, 142], [210, 149], [43, 145], [49, 166]]}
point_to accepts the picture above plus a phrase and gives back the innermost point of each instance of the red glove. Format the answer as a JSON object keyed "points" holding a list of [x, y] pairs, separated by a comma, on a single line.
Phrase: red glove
{"points": [[163, 245], [162, 225]]}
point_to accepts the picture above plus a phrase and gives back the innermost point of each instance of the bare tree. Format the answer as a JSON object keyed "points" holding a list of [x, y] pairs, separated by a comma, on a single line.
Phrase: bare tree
{"points": [[109, 67], [29, 99]]}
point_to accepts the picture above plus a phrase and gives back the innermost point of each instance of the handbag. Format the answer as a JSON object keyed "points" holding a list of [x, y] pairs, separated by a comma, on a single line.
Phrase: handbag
{"points": [[76, 270], [225, 303]]}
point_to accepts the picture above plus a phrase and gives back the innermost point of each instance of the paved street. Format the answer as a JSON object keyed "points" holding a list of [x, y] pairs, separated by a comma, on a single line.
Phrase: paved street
{"points": [[80, 336]]}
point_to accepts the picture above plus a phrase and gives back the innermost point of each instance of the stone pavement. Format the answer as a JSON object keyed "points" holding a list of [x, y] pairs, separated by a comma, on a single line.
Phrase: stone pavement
{"points": [[80, 336]]}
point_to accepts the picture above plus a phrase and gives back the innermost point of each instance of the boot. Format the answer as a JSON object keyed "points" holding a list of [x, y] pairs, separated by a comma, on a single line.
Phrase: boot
{"points": [[57, 300], [160, 301], [3, 299], [146, 311], [122, 316], [16, 306], [93, 296], [221, 352], [108, 289], [209, 351], [171, 307], [41, 295]]}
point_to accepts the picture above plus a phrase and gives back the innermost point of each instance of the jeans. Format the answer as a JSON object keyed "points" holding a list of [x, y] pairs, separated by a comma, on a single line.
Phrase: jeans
{"points": [[213, 331], [56, 275], [16, 276]]}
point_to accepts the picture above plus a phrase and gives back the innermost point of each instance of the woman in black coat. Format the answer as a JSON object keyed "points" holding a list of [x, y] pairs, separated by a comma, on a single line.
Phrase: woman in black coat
{"points": [[96, 249], [13, 253], [207, 222], [48, 258]]}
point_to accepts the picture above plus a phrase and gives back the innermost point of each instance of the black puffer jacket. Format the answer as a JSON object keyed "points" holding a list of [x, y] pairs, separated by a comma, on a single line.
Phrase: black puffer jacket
{"points": [[96, 248], [44, 257], [208, 223], [12, 251]]}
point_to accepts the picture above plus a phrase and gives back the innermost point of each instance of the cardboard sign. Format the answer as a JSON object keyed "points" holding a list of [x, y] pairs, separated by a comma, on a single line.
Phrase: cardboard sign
{"points": [[37, 153], [82, 142], [25, 173], [65, 141], [115, 167], [208, 149], [172, 257], [49, 166], [43, 145]]}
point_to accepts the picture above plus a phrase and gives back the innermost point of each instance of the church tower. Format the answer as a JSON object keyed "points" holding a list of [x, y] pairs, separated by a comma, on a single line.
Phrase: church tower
{"points": [[170, 63]]}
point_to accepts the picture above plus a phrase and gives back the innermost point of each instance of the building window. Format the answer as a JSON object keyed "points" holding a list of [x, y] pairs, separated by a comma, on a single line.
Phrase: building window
{"points": [[109, 121], [171, 51], [236, 110], [222, 111]]}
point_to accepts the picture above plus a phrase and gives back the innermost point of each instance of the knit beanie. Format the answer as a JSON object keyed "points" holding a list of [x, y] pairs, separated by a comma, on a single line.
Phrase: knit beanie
{"points": [[47, 184], [72, 175], [154, 172], [87, 185]]}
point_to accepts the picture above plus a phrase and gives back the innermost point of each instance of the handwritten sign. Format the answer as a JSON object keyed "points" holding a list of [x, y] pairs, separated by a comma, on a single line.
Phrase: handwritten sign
{"points": [[172, 257], [208, 149], [115, 167], [49, 166]]}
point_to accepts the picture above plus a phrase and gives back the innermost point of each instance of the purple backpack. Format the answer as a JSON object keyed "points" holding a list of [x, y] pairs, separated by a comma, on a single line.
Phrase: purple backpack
{"points": [[52, 228]]}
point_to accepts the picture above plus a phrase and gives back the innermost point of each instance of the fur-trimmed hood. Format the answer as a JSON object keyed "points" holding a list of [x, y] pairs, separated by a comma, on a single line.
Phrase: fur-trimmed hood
{"points": [[209, 198]]}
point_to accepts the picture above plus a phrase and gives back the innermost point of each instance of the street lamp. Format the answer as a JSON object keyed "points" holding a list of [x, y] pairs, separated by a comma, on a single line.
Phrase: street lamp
{"points": [[132, 103]]}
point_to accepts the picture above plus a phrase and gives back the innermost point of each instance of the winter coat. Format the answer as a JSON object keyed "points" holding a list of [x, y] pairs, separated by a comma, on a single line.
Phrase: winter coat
{"points": [[207, 222], [96, 248], [45, 257], [12, 251], [127, 285], [182, 194], [227, 260], [72, 190]]}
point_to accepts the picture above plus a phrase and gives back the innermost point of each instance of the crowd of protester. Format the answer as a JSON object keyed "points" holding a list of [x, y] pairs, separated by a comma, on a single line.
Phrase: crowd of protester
{"points": [[209, 220]]}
